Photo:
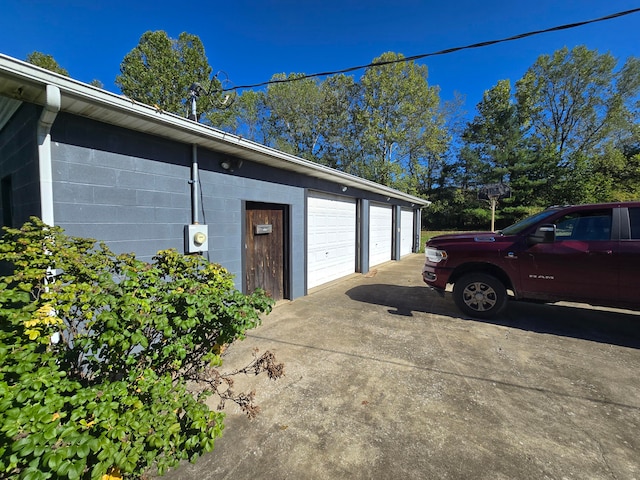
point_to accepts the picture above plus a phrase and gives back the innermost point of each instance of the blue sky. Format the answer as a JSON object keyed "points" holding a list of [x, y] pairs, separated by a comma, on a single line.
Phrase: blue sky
{"points": [[252, 40]]}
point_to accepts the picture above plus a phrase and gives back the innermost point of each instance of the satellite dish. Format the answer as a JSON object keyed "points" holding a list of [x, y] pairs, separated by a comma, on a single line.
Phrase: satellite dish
{"points": [[221, 92]]}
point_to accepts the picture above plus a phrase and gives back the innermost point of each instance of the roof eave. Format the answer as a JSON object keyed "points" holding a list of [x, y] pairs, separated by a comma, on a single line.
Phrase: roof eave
{"points": [[25, 82]]}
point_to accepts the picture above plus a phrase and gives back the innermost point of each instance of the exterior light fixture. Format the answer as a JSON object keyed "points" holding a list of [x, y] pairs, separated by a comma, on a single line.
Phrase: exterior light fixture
{"points": [[230, 164]]}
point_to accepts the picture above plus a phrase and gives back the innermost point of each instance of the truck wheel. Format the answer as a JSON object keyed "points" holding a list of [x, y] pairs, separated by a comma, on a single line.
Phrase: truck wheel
{"points": [[480, 295]]}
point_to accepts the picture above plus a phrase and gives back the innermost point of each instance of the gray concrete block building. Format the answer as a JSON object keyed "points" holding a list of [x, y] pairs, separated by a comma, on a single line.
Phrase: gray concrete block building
{"points": [[102, 166]]}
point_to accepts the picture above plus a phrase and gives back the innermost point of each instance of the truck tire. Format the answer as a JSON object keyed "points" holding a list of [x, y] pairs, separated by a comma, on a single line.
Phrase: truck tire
{"points": [[480, 295]]}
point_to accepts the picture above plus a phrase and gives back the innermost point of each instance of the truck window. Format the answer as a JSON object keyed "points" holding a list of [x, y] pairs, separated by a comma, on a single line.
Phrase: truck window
{"points": [[522, 225], [589, 225], [634, 216]]}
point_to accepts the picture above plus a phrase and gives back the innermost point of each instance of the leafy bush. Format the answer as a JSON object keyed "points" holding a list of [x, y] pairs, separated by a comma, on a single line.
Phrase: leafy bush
{"points": [[97, 352]]}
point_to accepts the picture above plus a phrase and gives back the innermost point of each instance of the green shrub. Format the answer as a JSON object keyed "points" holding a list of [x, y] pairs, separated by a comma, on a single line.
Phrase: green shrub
{"points": [[97, 351]]}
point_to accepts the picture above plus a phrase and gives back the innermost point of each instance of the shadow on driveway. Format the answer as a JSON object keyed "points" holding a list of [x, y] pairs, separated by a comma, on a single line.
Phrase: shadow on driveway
{"points": [[612, 326]]}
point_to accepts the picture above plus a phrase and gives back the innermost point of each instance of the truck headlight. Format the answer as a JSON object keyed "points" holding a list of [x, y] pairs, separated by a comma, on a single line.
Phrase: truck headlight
{"points": [[434, 255]]}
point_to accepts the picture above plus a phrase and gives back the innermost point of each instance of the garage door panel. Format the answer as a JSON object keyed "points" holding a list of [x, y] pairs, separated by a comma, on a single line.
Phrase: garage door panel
{"points": [[406, 232], [380, 234], [331, 243]]}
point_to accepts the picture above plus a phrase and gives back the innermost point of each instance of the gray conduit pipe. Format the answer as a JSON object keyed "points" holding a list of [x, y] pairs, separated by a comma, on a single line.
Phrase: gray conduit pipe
{"points": [[195, 206]]}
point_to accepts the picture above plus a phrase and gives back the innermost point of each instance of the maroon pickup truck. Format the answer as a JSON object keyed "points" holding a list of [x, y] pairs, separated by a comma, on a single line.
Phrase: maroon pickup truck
{"points": [[579, 253]]}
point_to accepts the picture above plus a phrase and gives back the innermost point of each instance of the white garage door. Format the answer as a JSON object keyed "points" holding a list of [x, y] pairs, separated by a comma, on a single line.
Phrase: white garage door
{"points": [[406, 231], [380, 234], [331, 243]]}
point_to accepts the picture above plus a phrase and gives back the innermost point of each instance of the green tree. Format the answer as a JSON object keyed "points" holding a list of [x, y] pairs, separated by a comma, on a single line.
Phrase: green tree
{"points": [[498, 151], [337, 146], [565, 135], [305, 117], [456, 120], [398, 121], [495, 134], [46, 61], [293, 123], [388, 127], [160, 70], [311, 118], [574, 103], [244, 117]]}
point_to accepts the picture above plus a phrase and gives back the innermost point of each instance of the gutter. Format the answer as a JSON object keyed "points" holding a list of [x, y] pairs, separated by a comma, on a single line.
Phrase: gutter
{"points": [[24, 82], [47, 117]]}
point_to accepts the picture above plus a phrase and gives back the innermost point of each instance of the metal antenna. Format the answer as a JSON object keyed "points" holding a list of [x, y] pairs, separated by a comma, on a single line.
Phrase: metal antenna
{"points": [[220, 94], [195, 90]]}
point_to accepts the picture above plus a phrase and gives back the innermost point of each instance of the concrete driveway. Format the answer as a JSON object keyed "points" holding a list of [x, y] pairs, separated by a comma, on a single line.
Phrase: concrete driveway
{"points": [[385, 380]]}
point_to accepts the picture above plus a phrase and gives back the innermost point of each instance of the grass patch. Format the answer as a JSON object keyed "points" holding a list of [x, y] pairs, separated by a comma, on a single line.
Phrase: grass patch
{"points": [[427, 234]]}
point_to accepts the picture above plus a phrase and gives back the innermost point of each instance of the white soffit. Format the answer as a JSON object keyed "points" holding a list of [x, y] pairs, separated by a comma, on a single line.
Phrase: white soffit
{"points": [[8, 107]]}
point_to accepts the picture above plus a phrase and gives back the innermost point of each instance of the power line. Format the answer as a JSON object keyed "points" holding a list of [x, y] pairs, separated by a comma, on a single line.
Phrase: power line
{"points": [[441, 52]]}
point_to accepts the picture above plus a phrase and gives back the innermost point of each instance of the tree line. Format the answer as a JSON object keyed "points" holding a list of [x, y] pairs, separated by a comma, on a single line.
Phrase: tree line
{"points": [[566, 132]]}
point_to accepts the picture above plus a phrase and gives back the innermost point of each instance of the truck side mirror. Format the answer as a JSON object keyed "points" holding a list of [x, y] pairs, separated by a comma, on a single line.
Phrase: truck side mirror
{"points": [[543, 234]]}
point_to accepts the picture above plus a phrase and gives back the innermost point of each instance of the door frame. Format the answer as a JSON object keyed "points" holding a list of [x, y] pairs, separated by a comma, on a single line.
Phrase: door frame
{"points": [[286, 243]]}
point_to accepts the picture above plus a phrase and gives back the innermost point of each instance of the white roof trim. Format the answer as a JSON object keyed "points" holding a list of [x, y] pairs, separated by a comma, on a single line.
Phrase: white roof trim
{"points": [[25, 82]]}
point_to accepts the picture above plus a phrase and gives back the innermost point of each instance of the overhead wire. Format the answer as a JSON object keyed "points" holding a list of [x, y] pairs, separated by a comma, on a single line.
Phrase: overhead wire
{"points": [[440, 52]]}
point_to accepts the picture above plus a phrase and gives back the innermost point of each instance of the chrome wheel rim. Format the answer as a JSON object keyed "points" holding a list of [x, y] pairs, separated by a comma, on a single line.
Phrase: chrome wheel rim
{"points": [[479, 296]]}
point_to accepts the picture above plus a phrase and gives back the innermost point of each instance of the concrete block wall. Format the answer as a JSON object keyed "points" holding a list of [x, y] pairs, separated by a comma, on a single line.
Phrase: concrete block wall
{"points": [[137, 200], [19, 161], [128, 189], [135, 204]]}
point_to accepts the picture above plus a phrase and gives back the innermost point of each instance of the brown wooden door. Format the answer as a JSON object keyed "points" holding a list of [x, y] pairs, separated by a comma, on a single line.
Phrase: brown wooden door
{"points": [[265, 249]]}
